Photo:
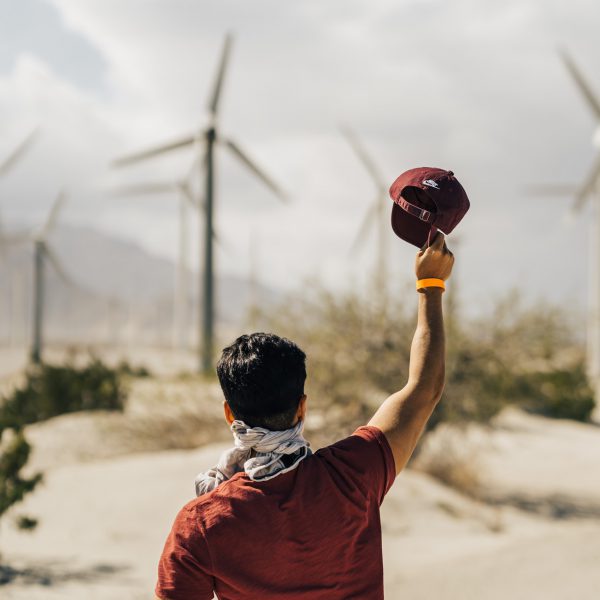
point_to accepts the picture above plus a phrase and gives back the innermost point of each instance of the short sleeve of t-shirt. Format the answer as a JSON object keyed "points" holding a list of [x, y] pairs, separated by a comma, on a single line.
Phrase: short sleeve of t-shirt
{"points": [[364, 460], [184, 569]]}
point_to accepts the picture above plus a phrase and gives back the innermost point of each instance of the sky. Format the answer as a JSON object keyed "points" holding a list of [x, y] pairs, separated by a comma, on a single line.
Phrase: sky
{"points": [[474, 86]]}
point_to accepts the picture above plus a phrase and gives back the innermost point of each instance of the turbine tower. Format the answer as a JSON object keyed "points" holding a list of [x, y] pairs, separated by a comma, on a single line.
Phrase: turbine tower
{"points": [[377, 216], [203, 142], [43, 252], [589, 188], [8, 239]]}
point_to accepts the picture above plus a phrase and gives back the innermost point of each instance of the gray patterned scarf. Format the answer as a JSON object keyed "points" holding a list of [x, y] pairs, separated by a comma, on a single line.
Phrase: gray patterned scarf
{"points": [[269, 446]]}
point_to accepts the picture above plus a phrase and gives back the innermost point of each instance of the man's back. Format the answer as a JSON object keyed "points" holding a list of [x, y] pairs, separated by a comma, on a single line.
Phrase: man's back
{"points": [[311, 532], [272, 521]]}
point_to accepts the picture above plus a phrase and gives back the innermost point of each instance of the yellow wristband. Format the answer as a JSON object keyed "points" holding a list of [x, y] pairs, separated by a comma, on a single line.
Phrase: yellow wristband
{"points": [[432, 282]]}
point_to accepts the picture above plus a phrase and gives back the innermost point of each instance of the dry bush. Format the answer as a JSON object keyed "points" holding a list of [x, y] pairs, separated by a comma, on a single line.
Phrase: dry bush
{"points": [[448, 459], [173, 413], [358, 353]]}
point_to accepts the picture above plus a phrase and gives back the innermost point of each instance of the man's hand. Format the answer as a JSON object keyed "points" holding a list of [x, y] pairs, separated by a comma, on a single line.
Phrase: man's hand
{"points": [[435, 261]]}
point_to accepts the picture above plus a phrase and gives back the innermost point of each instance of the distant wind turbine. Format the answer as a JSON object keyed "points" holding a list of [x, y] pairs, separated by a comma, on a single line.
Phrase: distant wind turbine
{"points": [[377, 215], [42, 253], [588, 188], [204, 141], [183, 189]]}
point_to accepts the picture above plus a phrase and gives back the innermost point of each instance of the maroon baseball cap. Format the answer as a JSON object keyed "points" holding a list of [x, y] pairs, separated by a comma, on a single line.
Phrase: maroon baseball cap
{"points": [[425, 200]]}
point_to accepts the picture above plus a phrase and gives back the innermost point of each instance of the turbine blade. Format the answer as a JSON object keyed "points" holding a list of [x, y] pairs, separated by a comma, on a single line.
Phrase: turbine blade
{"points": [[19, 152], [199, 162], [551, 189], [582, 84], [19, 237], [223, 245], [363, 231], [363, 156], [188, 195], [152, 152], [588, 186], [52, 215], [13, 238], [56, 264], [251, 165], [142, 189], [196, 169], [216, 95]]}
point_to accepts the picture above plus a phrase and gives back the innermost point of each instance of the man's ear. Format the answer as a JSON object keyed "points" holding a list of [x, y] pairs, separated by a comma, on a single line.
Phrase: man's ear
{"points": [[229, 416], [301, 414]]}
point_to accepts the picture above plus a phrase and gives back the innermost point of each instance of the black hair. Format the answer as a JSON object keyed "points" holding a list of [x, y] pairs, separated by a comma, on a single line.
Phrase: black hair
{"points": [[262, 377]]}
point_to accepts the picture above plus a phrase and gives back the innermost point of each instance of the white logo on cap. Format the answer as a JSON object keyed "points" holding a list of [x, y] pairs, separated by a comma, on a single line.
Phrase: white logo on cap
{"points": [[431, 183]]}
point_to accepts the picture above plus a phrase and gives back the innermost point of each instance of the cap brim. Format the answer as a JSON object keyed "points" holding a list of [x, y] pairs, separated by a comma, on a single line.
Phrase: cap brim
{"points": [[409, 228]]}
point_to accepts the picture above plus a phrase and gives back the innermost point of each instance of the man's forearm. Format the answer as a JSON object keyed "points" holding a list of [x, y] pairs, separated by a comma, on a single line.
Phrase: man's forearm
{"points": [[403, 415], [427, 353]]}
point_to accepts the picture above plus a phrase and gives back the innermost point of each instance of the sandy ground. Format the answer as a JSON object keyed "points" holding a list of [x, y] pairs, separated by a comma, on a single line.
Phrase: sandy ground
{"points": [[534, 463], [103, 522]]}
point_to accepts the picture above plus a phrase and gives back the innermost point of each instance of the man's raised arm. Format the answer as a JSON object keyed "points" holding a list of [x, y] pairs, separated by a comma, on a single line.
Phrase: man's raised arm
{"points": [[403, 415]]}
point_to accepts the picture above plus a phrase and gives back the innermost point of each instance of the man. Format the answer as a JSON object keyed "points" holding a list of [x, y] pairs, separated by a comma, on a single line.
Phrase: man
{"points": [[273, 520]]}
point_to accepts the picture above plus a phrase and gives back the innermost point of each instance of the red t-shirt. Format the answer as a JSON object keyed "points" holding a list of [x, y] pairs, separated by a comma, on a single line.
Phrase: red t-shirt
{"points": [[312, 533]]}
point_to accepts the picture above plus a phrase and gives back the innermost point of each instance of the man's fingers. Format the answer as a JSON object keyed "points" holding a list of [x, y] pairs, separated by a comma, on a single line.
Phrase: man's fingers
{"points": [[439, 241]]}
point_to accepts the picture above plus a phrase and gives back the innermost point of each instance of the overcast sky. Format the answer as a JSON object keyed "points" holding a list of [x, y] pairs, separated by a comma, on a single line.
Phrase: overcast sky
{"points": [[470, 85]]}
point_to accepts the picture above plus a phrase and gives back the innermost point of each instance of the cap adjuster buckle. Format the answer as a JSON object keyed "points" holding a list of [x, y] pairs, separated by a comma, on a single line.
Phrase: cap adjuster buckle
{"points": [[425, 215], [416, 211]]}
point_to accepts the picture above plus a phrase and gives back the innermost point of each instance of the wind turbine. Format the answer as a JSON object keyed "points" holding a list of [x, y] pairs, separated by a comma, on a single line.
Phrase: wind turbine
{"points": [[42, 252], [182, 188], [589, 188], [203, 142], [377, 215]]}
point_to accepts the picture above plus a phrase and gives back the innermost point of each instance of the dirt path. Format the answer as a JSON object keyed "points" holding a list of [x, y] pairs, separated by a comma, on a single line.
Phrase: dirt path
{"points": [[102, 526]]}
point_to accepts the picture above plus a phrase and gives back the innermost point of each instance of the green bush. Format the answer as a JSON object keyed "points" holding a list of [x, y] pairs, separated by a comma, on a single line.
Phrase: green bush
{"points": [[561, 394], [51, 390], [13, 486], [125, 368]]}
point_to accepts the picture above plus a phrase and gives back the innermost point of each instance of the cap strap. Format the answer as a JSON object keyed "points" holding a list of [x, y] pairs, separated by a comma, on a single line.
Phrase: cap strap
{"points": [[414, 210]]}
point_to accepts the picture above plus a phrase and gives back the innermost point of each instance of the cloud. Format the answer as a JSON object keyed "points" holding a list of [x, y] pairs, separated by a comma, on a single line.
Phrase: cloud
{"points": [[469, 85]]}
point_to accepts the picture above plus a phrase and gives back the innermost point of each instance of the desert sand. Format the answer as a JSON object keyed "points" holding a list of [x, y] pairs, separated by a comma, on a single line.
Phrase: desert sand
{"points": [[103, 521]]}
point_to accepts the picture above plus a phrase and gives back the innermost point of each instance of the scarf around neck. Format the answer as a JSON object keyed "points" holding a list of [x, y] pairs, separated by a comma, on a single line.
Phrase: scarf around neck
{"points": [[269, 446]]}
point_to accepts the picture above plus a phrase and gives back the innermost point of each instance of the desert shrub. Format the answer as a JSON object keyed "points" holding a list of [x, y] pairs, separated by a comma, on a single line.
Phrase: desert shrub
{"points": [[561, 393], [527, 356], [476, 385], [51, 390], [125, 368], [446, 458], [357, 353]]}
